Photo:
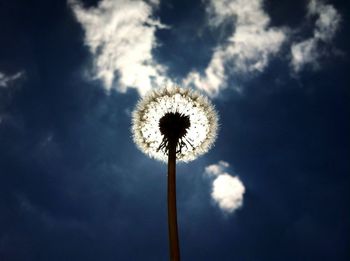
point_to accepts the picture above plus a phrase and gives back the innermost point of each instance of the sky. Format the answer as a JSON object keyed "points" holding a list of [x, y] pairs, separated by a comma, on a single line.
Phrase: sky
{"points": [[74, 186]]}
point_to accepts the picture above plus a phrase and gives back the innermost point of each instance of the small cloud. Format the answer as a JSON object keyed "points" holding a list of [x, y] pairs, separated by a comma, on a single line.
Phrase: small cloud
{"points": [[303, 53], [5, 80], [246, 51], [307, 52], [227, 191], [121, 36], [216, 169]]}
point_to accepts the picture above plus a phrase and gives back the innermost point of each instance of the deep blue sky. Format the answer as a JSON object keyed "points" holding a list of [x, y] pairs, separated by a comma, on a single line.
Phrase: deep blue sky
{"points": [[73, 185]]}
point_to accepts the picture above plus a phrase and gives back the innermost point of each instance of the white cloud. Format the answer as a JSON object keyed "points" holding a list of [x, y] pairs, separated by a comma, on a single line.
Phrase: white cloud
{"points": [[227, 191], [216, 169], [121, 36], [247, 50], [327, 22], [326, 25], [5, 80], [303, 53]]}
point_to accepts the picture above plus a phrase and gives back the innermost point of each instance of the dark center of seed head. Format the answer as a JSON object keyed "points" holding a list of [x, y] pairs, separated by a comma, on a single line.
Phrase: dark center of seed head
{"points": [[174, 126]]}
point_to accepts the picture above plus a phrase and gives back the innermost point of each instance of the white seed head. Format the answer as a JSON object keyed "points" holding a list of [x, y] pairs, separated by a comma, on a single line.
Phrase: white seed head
{"points": [[200, 135]]}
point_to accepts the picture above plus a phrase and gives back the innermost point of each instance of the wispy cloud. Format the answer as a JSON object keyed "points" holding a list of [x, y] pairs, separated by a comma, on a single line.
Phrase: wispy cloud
{"points": [[308, 51], [121, 36], [247, 50], [6, 80], [227, 191]]}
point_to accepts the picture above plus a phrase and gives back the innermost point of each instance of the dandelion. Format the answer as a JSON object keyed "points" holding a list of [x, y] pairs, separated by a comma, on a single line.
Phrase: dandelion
{"points": [[172, 124]]}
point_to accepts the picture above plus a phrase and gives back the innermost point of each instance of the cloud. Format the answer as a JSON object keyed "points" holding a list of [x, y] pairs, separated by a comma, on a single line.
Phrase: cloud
{"points": [[216, 169], [326, 25], [121, 36], [247, 50], [36, 212], [227, 191], [5, 80]]}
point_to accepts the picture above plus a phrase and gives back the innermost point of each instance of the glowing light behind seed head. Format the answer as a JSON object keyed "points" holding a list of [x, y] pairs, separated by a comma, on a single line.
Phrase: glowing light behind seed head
{"points": [[203, 119]]}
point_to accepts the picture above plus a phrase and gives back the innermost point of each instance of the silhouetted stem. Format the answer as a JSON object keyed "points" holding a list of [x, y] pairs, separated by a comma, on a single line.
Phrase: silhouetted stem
{"points": [[172, 215]]}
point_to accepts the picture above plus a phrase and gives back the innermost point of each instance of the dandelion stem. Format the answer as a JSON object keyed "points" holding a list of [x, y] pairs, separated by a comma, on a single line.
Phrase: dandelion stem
{"points": [[172, 215]]}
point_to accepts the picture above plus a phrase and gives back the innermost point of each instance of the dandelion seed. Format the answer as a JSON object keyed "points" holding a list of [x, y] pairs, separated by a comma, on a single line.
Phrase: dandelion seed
{"points": [[175, 102]]}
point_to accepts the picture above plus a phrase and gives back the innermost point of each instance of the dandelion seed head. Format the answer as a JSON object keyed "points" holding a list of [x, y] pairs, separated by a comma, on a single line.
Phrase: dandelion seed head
{"points": [[189, 109]]}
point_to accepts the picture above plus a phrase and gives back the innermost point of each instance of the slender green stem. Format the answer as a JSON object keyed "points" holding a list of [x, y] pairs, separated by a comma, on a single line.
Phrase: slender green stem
{"points": [[172, 215]]}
